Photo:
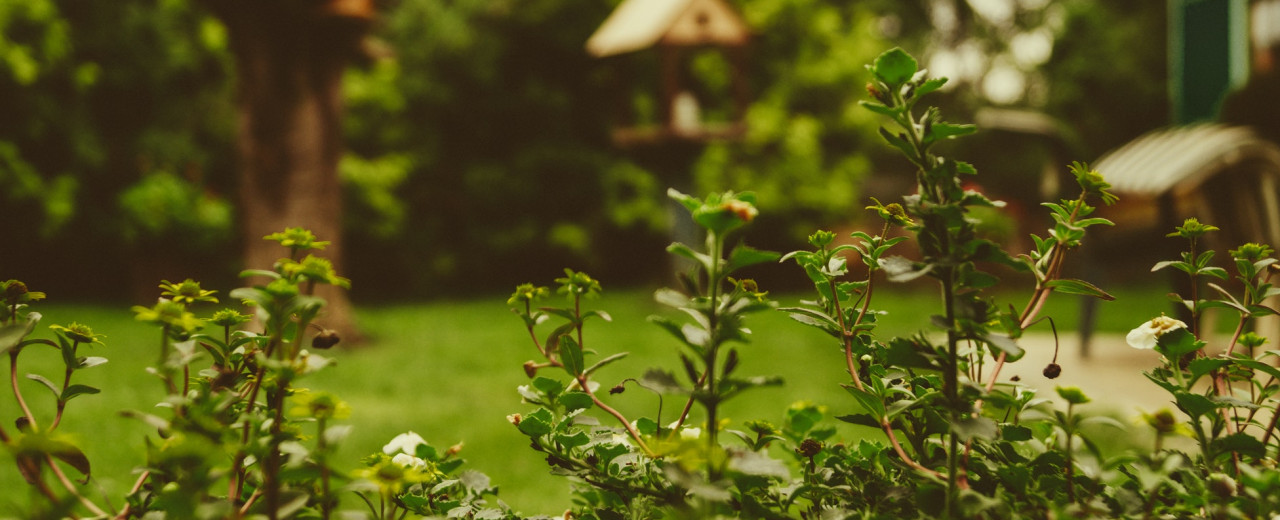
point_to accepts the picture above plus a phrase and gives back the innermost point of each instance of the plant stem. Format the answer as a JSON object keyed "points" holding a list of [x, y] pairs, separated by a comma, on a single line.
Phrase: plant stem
{"points": [[713, 328], [71, 488], [952, 391], [17, 394]]}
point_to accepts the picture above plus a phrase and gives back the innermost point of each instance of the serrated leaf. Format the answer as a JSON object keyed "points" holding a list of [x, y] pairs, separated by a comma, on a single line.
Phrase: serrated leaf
{"points": [[930, 85], [1242, 443], [743, 256], [1195, 405], [940, 131], [573, 441], [536, 424], [878, 108], [894, 67], [1201, 366], [573, 401], [1177, 343]]}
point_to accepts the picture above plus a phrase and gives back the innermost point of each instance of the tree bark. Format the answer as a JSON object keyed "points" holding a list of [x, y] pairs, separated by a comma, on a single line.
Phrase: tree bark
{"points": [[290, 56]]}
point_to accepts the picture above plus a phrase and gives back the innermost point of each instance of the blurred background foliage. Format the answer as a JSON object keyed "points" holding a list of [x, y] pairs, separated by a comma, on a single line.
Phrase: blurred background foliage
{"points": [[478, 132]]}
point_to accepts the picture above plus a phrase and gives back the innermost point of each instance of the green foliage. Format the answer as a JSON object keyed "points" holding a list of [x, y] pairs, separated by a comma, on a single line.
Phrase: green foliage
{"points": [[961, 443]]}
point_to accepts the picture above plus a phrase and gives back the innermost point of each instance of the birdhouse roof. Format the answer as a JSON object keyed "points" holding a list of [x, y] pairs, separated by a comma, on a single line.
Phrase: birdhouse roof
{"points": [[640, 24]]}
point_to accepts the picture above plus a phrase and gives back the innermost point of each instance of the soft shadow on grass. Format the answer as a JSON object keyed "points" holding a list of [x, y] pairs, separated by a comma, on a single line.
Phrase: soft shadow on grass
{"points": [[449, 371]]}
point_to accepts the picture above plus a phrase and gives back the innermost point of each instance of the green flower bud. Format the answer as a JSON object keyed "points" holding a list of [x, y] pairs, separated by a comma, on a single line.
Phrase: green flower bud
{"points": [[1192, 229]]}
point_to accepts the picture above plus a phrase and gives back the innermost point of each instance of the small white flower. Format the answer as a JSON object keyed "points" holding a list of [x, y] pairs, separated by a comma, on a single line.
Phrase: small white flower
{"points": [[408, 461], [406, 443], [690, 434], [1146, 335]]}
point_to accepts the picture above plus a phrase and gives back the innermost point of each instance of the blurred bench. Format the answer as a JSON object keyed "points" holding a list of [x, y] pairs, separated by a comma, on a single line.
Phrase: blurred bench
{"points": [[1222, 175]]}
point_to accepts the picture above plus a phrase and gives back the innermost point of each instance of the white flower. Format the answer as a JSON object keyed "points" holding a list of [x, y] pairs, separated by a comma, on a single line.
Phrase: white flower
{"points": [[690, 434], [406, 443], [408, 461], [1146, 335]]}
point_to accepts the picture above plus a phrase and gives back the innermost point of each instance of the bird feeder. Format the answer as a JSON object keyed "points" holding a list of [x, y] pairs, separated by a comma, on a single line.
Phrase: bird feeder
{"points": [[677, 29]]}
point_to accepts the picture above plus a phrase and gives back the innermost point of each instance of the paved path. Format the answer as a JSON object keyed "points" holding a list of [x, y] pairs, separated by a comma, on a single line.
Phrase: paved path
{"points": [[1111, 375]]}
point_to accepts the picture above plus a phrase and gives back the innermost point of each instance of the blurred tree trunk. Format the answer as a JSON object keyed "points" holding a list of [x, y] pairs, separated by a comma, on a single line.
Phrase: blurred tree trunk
{"points": [[290, 56]]}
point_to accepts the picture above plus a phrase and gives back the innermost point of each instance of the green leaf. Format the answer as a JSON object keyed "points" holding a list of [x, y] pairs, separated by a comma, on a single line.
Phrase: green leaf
{"points": [[899, 142], [11, 335], [155, 421], [1015, 433], [548, 386], [91, 361], [573, 441], [1070, 286], [814, 318], [603, 362], [930, 85], [78, 390], [860, 419], [1260, 366], [940, 131], [1177, 343], [685, 251], [661, 381], [573, 401], [1174, 263], [1242, 443], [571, 356], [753, 463], [894, 67], [879, 108], [869, 402], [980, 427], [536, 424], [1006, 344], [57, 392], [1201, 366], [1195, 405], [743, 256]]}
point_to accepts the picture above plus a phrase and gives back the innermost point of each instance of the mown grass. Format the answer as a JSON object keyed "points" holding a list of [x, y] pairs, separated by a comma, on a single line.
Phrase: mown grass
{"points": [[448, 370]]}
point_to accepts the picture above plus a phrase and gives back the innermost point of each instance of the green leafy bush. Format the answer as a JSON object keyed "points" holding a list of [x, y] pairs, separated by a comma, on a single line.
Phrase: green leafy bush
{"points": [[237, 437]]}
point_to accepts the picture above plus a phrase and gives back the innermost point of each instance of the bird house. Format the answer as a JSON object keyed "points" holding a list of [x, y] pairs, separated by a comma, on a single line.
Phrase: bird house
{"points": [[678, 29]]}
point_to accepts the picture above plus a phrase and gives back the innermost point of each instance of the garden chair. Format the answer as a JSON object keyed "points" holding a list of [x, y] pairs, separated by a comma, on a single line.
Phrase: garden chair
{"points": [[1224, 175]]}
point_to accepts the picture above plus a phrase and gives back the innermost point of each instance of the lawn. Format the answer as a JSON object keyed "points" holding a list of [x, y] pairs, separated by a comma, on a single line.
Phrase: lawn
{"points": [[449, 371]]}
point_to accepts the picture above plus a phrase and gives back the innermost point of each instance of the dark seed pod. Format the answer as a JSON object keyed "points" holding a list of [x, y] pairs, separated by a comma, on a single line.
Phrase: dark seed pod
{"points": [[326, 339], [1053, 371]]}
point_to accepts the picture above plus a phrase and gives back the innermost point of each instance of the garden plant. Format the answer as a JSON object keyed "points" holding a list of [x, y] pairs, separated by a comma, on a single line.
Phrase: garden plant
{"points": [[237, 436]]}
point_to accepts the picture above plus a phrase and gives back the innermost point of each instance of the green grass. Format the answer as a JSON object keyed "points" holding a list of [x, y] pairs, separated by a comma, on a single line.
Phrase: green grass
{"points": [[448, 370]]}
